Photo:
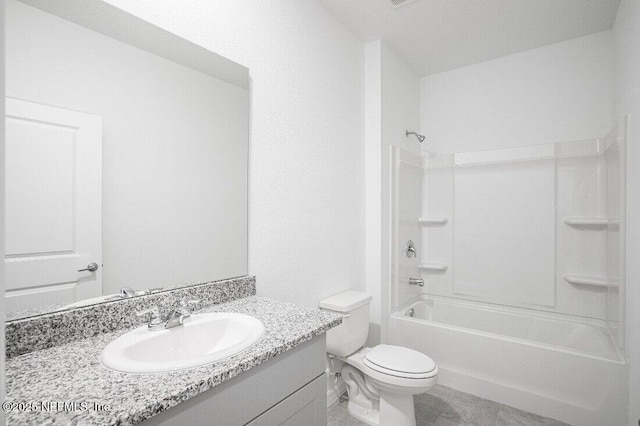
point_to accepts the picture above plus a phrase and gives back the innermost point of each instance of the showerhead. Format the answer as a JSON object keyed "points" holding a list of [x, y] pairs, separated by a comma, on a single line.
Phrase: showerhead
{"points": [[420, 137]]}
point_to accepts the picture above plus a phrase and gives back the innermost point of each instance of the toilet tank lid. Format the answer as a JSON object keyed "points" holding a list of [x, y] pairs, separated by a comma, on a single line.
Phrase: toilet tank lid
{"points": [[346, 301]]}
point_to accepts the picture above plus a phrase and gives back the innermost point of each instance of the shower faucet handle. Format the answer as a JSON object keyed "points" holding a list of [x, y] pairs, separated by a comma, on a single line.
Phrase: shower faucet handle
{"points": [[411, 249]]}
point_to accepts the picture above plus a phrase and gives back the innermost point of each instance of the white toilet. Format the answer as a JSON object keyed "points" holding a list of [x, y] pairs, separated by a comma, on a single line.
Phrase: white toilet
{"points": [[382, 380]]}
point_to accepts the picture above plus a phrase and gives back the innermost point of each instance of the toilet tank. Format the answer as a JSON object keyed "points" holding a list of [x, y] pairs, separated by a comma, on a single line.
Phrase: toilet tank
{"points": [[351, 335]]}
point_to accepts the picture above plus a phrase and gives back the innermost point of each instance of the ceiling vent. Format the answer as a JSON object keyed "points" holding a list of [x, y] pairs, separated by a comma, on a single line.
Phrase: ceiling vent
{"points": [[398, 3]]}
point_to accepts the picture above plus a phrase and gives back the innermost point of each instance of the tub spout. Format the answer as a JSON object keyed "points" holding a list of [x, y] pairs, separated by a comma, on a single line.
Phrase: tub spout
{"points": [[416, 281]]}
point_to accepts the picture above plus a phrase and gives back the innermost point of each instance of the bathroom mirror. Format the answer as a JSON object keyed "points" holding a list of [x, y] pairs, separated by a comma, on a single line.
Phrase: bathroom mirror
{"points": [[126, 156]]}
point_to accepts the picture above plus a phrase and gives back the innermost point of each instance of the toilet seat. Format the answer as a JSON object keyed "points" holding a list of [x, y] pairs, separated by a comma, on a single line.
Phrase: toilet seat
{"points": [[400, 362], [391, 379]]}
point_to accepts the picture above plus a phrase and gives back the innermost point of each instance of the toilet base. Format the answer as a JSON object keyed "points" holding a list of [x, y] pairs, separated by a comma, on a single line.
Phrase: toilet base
{"points": [[368, 416], [393, 410], [397, 410], [377, 399], [373, 404]]}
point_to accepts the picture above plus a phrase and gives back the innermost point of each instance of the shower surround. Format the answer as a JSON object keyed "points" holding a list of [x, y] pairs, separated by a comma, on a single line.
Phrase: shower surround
{"points": [[521, 251]]}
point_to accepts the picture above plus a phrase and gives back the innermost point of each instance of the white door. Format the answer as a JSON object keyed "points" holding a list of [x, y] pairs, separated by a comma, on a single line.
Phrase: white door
{"points": [[53, 205]]}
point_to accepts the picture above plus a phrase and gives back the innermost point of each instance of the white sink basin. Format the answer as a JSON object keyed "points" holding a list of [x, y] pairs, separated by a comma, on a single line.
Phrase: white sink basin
{"points": [[205, 339]]}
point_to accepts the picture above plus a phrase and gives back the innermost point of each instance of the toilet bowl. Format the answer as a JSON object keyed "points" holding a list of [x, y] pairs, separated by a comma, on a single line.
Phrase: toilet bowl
{"points": [[382, 380]]}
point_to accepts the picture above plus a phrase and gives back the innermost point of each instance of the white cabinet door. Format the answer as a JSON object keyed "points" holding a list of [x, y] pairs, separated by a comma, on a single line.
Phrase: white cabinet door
{"points": [[53, 205]]}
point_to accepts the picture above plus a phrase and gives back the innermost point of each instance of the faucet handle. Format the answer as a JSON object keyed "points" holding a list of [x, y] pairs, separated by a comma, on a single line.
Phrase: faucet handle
{"points": [[187, 303], [183, 311], [156, 322], [154, 311], [185, 308], [155, 315], [127, 292], [411, 249]]}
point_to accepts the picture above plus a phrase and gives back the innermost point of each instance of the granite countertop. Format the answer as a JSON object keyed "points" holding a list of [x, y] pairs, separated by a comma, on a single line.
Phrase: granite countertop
{"points": [[72, 373]]}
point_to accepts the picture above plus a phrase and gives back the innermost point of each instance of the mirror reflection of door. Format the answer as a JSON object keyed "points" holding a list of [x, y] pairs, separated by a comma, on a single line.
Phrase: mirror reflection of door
{"points": [[53, 205]]}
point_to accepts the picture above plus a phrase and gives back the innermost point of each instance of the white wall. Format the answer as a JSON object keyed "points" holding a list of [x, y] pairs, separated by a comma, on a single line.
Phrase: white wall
{"points": [[373, 185], [306, 198], [400, 102], [174, 149], [392, 105], [626, 32], [556, 93]]}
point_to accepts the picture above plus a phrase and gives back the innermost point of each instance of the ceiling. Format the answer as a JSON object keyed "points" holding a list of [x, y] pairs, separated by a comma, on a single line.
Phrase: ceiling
{"points": [[439, 35]]}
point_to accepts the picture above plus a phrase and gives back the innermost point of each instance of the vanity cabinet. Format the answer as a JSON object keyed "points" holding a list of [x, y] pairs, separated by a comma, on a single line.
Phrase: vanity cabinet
{"points": [[289, 389], [307, 406]]}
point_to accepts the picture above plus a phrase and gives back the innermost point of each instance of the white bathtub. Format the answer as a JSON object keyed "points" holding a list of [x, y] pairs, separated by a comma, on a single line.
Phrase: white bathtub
{"points": [[559, 366]]}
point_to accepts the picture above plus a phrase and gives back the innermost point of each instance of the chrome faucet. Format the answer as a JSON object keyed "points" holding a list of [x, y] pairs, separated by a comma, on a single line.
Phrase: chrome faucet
{"points": [[155, 322], [127, 292], [416, 281], [176, 317], [181, 314]]}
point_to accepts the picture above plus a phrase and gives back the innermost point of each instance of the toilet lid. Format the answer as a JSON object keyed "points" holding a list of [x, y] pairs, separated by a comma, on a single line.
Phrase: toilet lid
{"points": [[399, 361]]}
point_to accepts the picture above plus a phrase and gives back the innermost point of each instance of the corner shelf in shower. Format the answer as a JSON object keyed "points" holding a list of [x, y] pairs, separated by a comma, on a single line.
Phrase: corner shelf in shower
{"points": [[590, 222], [588, 280], [433, 220], [435, 267]]}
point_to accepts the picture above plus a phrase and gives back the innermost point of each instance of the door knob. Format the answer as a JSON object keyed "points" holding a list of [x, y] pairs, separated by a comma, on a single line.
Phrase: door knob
{"points": [[92, 267]]}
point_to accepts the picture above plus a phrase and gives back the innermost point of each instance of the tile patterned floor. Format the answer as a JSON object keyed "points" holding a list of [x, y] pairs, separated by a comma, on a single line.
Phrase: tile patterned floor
{"points": [[443, 406]]}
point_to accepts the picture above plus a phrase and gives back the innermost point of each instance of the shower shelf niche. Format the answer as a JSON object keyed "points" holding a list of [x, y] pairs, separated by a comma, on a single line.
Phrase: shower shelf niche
{"points": [[432, 266], [589, 280], [599, 222], [433, 220]]}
